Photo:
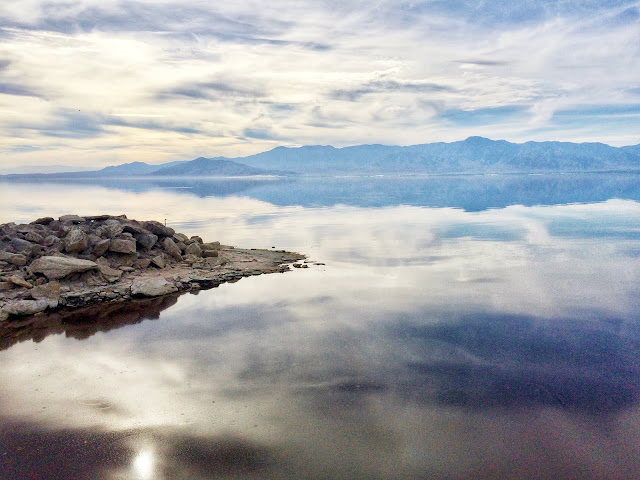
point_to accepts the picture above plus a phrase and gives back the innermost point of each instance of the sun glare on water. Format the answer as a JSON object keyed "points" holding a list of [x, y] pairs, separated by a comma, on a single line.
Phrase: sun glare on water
{"points": [[143, 465]]}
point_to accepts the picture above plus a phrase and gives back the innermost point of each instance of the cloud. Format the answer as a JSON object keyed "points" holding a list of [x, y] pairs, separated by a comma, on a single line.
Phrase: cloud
{"points": [[388, 86], [212, 90], [419, 71], [9, 89]]}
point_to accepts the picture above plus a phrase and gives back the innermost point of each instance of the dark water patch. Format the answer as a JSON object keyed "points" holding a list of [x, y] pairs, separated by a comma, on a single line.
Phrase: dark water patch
{"points": [[32, 452], [490, 360]]}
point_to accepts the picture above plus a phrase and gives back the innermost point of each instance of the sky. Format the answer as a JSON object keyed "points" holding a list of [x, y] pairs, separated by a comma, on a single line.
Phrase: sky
{"points": [[91, 83]]}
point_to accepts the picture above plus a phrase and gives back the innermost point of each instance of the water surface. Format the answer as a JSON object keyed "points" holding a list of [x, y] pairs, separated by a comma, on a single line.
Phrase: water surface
{"points": [[462, 328]]}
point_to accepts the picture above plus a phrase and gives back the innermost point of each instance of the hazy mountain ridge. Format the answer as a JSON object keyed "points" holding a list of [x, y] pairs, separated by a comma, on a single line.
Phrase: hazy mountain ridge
{"points": [[473, 155]]}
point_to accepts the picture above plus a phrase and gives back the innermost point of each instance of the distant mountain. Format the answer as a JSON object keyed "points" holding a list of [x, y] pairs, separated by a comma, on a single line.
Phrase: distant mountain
{"points": [[134, 168], [473, 155], [212, 167]]}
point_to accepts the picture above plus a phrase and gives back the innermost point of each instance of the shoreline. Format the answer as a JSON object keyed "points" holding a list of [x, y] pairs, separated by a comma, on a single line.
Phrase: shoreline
{"points": [[51, 265]]}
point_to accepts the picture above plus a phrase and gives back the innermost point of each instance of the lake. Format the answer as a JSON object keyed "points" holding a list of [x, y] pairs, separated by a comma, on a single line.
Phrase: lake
{"points": [[461, 327]]}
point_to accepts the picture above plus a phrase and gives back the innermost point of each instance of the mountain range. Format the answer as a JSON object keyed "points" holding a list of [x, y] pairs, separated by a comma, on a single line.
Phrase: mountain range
{"points": [[471, 156]]}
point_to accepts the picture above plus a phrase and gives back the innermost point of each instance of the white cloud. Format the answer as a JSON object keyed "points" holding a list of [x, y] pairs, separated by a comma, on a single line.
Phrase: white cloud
{"points": [[242, 77]]}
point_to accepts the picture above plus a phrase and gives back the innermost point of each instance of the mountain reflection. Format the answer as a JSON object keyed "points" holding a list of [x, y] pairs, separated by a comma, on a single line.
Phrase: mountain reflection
{"points": [[469, 192]]}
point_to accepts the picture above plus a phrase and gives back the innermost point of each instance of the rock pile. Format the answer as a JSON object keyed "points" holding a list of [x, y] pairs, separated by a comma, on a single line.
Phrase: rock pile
{"points": [[73, 261]]}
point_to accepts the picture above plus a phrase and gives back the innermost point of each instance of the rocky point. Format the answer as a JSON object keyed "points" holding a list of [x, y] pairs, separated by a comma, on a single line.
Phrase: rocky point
{"points": [[74, 261]]}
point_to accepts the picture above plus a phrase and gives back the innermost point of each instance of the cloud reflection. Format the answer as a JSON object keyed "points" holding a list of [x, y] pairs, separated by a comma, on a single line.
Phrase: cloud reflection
{"points": [[431, 344]]}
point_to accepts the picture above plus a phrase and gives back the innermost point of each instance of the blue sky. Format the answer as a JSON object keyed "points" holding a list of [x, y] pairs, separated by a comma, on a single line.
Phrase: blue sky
{"points": [[89, 83]]}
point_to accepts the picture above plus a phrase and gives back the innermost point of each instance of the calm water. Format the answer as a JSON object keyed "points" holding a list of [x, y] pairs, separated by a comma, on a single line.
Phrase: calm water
{"points": [[462, 328]]}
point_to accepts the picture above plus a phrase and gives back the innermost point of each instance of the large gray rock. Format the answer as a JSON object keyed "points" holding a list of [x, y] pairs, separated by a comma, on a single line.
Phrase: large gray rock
{"points": [[211, 246], [51, 240], [132, 226], [158, 229], [123, 245], [193, 249], [109, 229], [158, 261], [146, 240], [171, 248], [76, 241], [101, 247], [60, 267], [24, 247], [26, 307], [152, 287], [75, 219], [34, 237], [13, 258], [43, 221], [180, 237]]}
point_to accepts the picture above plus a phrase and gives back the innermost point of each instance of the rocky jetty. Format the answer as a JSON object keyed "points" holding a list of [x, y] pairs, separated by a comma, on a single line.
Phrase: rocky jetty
{"points": [[74, 261]]}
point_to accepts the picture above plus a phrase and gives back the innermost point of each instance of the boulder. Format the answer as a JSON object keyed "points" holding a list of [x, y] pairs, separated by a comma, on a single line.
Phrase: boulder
{"points": [[60, 267], [180, 237], [25, 307], [158, 261], [152, 287], [193, 249], [197, 239], [158, 229], [123, 245], [211, 246], [133, 227], [146, 240], [75, 219], [34, 237], [24, 228], [171, 248], [43, 221], [51, 240], [50, 292], [93, 218], [76, 241], [13, 258], [24, 247], [209, 253], [101, 247], [109, 229], [143, 263]]}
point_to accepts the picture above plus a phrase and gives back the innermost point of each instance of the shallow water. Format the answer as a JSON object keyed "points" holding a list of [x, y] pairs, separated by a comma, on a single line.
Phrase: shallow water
{"points": [[462, 328]]}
